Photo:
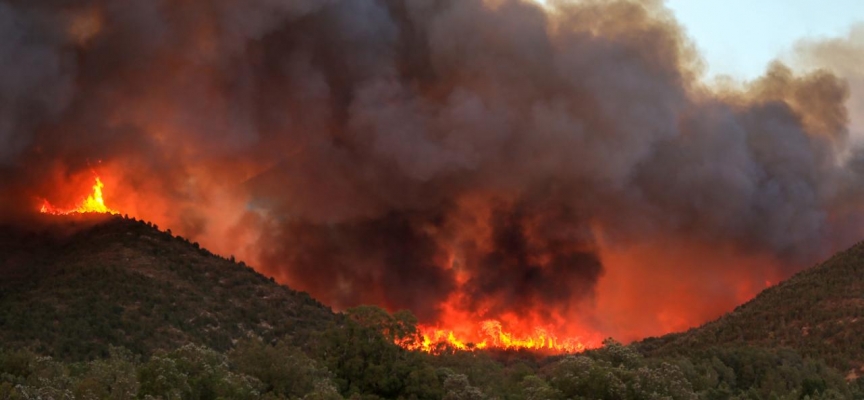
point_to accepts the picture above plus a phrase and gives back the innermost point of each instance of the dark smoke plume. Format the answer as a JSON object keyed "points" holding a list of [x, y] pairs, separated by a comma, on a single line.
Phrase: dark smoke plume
{"points": [[400, 152]]}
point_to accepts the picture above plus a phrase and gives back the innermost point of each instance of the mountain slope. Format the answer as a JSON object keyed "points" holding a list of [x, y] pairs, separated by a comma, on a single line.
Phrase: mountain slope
{"points": [[818, 312], [115, 281]]}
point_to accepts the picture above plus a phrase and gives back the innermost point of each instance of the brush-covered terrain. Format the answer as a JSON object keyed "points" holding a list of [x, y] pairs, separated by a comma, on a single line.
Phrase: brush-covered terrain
{"points": [[819, 313], [79, 285], [98, 307]]}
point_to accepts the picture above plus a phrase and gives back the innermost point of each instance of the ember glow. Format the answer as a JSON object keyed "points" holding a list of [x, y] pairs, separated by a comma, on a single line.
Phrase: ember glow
{"points": [[94, 203]]}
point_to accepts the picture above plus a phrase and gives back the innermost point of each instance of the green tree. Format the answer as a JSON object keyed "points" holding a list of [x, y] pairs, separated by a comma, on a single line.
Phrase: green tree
{"points": [[536, 388], [581, 377], [195, 372], [283, 369], [366, 361], [112, 378], [399, 327], [457, 387]]}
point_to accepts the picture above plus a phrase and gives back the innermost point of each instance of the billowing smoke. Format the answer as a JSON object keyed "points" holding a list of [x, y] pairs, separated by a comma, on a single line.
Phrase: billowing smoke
{"points": [[488, 157]]}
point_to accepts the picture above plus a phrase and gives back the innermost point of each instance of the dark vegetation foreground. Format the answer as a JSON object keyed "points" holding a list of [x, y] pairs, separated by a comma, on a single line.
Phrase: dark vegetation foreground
{"points": [[819, 313], [95, 307]]}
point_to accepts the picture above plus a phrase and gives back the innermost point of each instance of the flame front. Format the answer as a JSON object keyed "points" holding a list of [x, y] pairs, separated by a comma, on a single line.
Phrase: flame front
{"points": [[490, 334], [94, 203]]}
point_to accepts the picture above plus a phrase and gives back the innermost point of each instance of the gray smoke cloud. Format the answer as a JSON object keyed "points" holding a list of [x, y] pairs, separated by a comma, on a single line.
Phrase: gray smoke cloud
{"points": [[400, 152]]}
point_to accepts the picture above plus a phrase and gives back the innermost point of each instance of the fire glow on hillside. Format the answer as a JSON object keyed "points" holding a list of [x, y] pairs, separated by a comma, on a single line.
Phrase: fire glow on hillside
{"points": [[517, 176]]}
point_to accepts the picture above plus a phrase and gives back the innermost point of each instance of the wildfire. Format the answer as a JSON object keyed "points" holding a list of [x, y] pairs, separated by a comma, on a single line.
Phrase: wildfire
{"points": [[94, 203], [490, 334]]}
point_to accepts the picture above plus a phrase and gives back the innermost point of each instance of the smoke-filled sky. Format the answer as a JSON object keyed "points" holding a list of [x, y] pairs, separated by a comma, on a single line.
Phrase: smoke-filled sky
{"points": [[464, 159]]}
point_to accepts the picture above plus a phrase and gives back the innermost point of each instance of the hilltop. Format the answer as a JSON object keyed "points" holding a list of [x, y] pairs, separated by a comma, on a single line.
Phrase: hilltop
{"points": [[819, 313], [74, 285]]}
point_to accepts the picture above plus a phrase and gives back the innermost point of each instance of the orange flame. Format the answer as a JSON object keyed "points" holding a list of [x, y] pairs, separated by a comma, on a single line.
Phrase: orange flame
{"points": [[94, 203], [491, 335]]}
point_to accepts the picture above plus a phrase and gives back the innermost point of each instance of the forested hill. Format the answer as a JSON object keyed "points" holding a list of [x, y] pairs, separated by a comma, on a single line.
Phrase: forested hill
{"points": [[124, 311], [72, 286], [818, 312]]}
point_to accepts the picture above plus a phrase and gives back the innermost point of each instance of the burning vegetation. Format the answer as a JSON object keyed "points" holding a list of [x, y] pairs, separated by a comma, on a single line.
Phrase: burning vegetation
{"points": [[94, 203], [563, 171], [491, 335]]}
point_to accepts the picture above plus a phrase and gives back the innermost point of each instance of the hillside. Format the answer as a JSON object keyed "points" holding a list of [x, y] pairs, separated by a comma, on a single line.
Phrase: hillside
{"points": [[73, 285], [116, 292], [819, 313]]}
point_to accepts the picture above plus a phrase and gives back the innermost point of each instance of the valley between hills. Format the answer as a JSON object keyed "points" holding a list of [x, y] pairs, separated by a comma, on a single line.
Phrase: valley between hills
{"points": [[107, 307]]}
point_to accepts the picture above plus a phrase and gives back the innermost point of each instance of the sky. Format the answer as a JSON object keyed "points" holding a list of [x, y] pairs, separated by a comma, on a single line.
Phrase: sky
{"points": [[741, 37]]}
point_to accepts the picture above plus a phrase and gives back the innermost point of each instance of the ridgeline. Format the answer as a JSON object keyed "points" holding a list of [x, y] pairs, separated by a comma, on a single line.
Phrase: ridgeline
{"points": [[123, 310], [819, 313], [74, 285]]}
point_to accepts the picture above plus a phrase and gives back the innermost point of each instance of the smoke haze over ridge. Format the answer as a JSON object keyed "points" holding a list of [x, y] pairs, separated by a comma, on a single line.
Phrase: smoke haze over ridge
{"points": [[453, 157]]}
